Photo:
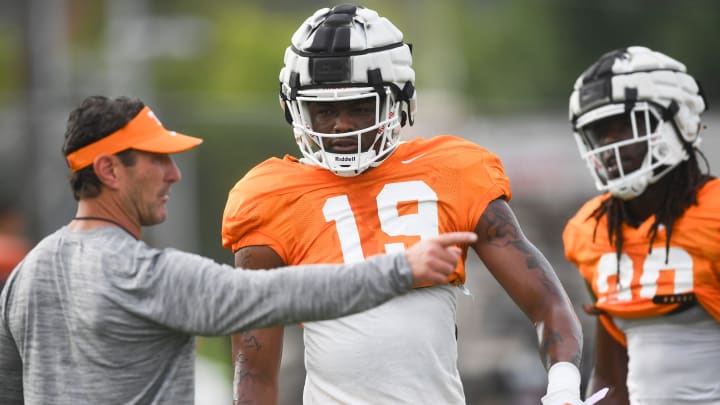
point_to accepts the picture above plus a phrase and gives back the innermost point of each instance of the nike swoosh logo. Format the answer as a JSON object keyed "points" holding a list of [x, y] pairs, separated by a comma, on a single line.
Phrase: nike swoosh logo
{"points": [[412, 159]]}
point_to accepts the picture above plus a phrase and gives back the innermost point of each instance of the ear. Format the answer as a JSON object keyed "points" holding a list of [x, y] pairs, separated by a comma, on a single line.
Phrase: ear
{"points": [[105, 167]]}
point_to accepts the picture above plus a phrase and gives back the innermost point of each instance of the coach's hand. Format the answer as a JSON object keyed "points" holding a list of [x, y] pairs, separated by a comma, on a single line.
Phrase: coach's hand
{"points": [[433, 259]]}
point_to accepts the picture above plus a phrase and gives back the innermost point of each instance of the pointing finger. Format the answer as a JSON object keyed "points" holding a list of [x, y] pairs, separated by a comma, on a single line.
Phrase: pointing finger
{"points": [[455, 238]]}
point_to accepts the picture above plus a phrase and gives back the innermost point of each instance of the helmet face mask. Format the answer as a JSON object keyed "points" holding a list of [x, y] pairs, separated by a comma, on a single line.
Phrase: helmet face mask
{"points": [[372, 135], [343, 55], [636, 116], [625, 151]]}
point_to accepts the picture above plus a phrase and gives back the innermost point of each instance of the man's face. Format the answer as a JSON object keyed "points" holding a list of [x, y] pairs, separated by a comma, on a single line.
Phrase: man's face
{"points": [[344, 116], [616, 129], [147, 187]]}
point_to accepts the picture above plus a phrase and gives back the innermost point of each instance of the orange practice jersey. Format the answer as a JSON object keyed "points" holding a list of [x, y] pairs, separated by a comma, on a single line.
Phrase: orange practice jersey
{"points": [[308, 214], [648, 285]]}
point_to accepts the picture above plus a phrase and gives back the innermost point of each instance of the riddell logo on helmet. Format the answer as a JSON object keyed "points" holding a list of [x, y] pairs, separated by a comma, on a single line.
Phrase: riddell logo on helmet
{"points": [[345, 158]]}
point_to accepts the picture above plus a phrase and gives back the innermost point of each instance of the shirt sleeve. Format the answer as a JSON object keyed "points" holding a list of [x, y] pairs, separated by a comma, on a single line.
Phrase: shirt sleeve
{"points": [[197, 296], [11, 372]]}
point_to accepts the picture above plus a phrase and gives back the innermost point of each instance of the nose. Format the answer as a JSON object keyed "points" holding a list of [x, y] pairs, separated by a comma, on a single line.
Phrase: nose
{"points": [[344, 122], [172, 172], [616, 131], [612, 137]]}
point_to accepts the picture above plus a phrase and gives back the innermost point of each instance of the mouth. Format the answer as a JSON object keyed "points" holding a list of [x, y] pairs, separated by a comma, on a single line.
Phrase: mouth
{"points": [[612, 167], [344, 145], [612, 170]]}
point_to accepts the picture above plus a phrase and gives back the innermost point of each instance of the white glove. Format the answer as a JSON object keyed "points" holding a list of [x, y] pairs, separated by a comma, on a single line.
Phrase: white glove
{"points": [[564, 387], [569, 398], [564, 397]]}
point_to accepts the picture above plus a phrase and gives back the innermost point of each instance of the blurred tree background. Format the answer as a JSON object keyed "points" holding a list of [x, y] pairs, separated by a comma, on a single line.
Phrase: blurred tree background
{"points": [[497, 72]]}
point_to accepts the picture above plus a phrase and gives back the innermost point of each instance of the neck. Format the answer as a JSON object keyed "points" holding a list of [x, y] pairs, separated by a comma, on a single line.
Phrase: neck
{"points": [[94, 213]]}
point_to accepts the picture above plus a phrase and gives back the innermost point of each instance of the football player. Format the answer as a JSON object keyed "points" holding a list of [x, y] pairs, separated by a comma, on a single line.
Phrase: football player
{"points": [[347, 87], [649, 245]]}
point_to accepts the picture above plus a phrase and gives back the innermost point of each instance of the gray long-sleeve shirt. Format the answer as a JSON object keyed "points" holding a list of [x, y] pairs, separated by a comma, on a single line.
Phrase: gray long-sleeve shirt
{"points": [[97, 317]]}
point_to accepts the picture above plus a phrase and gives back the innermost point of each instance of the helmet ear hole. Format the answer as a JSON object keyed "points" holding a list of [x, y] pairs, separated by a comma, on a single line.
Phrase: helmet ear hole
{"points": [[403, 118]]}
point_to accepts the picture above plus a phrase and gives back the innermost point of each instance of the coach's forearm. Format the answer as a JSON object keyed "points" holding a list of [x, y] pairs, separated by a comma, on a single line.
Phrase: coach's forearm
{"points": [[222, 302], [308, 293]]}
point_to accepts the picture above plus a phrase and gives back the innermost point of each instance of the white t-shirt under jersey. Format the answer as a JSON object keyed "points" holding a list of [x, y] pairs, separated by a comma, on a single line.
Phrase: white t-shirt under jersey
{"points": [[419, 370], [673, 359]]}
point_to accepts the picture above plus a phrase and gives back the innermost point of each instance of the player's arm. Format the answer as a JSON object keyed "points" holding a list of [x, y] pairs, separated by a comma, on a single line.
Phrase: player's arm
{"points": [[610, 367], [257, 353], [529, 279]]}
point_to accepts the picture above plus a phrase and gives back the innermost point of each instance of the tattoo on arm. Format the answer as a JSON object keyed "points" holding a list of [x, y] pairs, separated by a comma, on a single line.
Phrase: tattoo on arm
{"points": [[502, 230], [508, 247], [550, 339], [243, 258], [251, 342], [242, 374]]}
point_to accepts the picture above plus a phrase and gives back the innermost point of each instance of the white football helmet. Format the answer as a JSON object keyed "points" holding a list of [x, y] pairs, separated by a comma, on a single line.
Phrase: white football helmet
{"points": [[348, 53], [662, 102]]}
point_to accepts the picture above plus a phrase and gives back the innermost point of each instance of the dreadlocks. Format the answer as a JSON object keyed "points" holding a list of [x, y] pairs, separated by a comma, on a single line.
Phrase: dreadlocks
{"points": [[684, 182]]}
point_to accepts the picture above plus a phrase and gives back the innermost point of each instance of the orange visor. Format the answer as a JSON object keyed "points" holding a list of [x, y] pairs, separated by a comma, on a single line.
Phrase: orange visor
{"points": [[144, 132]]}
